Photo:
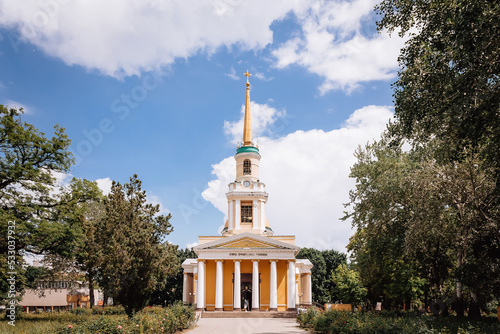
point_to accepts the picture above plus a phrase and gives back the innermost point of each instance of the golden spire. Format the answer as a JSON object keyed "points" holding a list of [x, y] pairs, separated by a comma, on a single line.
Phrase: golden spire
{"points": [[247, 128]]}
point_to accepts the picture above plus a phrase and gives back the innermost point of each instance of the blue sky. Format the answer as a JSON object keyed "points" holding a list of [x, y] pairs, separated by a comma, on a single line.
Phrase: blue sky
{"points": [[157, 88]]}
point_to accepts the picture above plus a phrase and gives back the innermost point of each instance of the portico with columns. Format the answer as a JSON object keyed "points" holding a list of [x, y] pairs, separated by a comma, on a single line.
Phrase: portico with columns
{"points": [[247, 265]]}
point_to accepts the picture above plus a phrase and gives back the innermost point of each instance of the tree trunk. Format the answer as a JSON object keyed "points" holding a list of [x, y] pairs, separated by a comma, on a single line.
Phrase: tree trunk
{"points": [[474, 310], [459, 307], [105, 297], [91, 290]]}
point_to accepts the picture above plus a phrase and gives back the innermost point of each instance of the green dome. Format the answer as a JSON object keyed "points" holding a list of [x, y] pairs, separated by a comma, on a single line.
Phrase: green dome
{"points": [[244, 149]]}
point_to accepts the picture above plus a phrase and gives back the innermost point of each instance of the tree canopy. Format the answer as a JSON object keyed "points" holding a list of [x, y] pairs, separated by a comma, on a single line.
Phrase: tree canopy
{"points": [[448, 86], [29, 163], [324, 263]]}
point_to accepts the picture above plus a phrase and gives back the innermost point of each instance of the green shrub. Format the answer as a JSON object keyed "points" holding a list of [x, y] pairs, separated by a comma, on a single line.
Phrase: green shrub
{"points": [[151, 319], [103, 325], [114, 310], [79, 311], [160, 320], [307, 319], [392, 322], [97, 310]]}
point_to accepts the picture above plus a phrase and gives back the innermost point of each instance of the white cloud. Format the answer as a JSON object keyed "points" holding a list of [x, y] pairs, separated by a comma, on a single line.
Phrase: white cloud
{"points": [[340, 46], [307, 178], [262, 76], [18, 105], [129, 37], [191, 245], [155, 200], [120, 37], [232, 74], [104, 185]]}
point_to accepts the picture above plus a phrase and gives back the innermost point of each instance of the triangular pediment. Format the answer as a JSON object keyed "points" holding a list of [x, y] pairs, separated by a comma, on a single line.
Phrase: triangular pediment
{"points": [[246, 241]]}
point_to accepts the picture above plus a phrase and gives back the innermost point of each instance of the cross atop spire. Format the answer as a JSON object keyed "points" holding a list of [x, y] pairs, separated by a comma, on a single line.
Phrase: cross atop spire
{"points": [[248, 75]]}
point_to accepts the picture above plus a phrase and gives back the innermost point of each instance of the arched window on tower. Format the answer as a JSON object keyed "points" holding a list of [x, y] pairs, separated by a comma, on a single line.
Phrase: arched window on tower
{"points": [[247, 167]]}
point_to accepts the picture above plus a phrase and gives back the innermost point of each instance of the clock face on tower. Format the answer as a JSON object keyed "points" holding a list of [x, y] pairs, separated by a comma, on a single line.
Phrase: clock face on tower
{"points": [[246, 184]]}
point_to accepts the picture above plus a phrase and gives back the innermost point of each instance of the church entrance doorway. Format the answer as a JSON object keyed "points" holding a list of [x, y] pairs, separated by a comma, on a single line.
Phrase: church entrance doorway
{"points": [[246, 291], [246, 296]]}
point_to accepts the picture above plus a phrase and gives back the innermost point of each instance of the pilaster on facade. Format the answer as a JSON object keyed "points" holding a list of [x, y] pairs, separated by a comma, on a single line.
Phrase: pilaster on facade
{"points": [[230, 206], [237, 217]]}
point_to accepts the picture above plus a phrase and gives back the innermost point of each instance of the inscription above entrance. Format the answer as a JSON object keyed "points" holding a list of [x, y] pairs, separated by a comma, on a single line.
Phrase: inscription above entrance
{"points": [[247, 254]]}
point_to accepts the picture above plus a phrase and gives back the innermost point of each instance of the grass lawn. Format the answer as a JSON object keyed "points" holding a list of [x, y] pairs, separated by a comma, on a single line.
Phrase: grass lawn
{"points": [[50, 322], [151, 319]]}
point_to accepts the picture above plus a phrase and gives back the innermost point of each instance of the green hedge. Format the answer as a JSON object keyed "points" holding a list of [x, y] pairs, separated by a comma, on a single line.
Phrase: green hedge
{"points": [[151, 320], [333, 322]]}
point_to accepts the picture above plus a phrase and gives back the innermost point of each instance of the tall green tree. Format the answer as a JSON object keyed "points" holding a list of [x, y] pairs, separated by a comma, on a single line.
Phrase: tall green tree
{"points": [[28, 165], [419, 222], [88, 254], [324, 262], [380, 215], [456, 208], [135, 255], [347, 286], [170, 290]]}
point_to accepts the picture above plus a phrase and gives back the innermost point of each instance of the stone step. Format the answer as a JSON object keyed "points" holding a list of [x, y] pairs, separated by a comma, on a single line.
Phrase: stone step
{"points": [[252, 314]]}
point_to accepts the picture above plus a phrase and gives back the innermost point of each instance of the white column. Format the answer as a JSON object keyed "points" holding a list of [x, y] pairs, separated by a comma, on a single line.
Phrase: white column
{"points": [[196, 292], [297, 298], [291, 286], [185, 292], [237, 218], [255, 286], [262, 216], [231, 214], [307, 292], [218, 286], [200, 294], [273, 304], [237, 286]]}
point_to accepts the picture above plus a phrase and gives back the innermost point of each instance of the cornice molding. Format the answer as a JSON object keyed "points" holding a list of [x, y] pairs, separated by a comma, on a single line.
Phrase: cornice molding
{"points": [[257, 194]]}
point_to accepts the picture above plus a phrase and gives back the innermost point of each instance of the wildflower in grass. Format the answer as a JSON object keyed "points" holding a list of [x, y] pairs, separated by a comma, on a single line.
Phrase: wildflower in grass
{"points": [[119, 327], [69, 326]]}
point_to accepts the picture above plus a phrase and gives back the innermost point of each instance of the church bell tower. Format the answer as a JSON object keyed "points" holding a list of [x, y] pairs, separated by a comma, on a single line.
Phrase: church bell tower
{"points": [[247, 197]]}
